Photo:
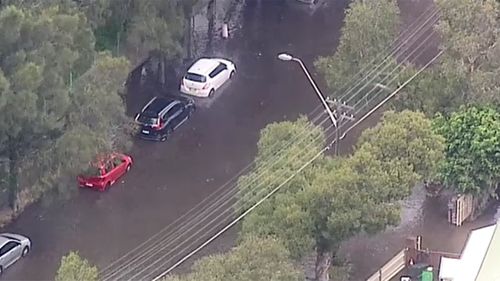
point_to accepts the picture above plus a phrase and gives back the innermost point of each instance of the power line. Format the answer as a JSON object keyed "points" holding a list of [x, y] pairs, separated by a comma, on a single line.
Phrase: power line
{"points": [[343, 110], [276, 189], [203, 229], [159, 247], [156, 245], [200, 230], [197, 206], [388, 60], [158, 250], [165, 245], [383, 102], [402, 64], [169, 225], [218, 204], [290, 177], [392, 49]]}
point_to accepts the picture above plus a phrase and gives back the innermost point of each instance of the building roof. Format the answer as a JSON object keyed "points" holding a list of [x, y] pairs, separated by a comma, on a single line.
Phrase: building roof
{"points": [[490, 269], [479, 259]]}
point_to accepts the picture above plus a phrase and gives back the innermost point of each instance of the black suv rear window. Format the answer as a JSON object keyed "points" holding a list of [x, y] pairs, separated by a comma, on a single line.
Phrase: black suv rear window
{"points": [[148, 118], [195, 77]]}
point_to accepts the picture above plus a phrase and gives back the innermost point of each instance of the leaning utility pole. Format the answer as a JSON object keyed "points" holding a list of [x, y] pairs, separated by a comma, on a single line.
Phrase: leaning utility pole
{"points": [[342, 112]]}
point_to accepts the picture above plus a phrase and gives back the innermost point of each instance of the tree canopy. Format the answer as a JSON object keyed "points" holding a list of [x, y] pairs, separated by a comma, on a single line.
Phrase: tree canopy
{"points": [[337, 198], [75, 268], [131, 27], [369, 29], [467, 71], [436, 90], [470, 32], [255, 259], [58, 96], [156, 26], [282, 149], [472, 162]]}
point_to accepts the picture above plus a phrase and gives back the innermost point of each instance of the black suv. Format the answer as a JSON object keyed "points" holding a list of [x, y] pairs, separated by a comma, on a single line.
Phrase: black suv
{"points": [[162, 115]]}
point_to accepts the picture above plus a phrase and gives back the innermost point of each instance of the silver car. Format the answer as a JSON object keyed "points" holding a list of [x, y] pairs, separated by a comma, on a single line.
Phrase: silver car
{"points": [[12, 248]]}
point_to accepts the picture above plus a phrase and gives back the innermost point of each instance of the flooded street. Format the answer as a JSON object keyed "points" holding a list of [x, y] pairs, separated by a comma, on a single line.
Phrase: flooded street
{"points": [[170, 178]]}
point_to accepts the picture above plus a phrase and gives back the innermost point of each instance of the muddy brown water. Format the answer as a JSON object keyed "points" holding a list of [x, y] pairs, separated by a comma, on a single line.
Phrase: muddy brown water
{"points": [[170, 178]]}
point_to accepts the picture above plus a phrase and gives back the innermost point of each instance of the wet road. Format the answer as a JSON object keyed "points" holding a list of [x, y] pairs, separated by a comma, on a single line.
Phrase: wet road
{"points": [[169, 178]]}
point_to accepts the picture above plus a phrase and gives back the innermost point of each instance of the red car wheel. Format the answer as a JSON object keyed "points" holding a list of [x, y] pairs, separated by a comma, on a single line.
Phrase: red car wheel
{"points": [[106, 186]]}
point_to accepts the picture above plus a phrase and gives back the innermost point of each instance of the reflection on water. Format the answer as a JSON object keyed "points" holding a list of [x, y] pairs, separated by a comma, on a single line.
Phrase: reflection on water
{"points": [[412, 211], [421, 215]]}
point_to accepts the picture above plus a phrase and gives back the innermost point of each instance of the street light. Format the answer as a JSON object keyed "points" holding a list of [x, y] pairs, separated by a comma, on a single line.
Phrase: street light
{"points": [[288, 57], [285, 57]]}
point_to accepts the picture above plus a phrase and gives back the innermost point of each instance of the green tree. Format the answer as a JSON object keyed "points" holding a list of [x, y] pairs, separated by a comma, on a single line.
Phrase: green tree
{"points": [[96, 97], [156, 26], [75, 268], [255, 259], [472, 161], [470, 32], [369, 29], [467, 71], [282, 149], [54, 95], [97, 122], [405, 140], [141, 26], [337, 198], [111, 31], [37, 53], [439, 89], [95, 11]]}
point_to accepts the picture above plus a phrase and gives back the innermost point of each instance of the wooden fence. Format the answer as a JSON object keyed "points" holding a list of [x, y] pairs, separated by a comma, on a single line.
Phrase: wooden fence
{"points": [[460, 209], [391, 268]]}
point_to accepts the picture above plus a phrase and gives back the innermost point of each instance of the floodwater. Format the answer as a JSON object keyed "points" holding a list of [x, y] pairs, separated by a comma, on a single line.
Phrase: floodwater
{"points": [[422, 215], [169, 179]]}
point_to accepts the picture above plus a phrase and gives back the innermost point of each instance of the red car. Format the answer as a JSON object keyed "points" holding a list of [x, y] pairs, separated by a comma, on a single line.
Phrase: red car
{"points": [[105, 172]]}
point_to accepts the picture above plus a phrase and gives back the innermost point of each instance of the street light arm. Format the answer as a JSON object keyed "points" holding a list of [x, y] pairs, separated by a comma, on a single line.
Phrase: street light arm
{"points": [[318, 92]]}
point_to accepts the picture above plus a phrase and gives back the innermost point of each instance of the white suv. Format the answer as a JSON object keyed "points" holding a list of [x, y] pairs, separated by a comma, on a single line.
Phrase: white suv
{"points": [[206, 75]]}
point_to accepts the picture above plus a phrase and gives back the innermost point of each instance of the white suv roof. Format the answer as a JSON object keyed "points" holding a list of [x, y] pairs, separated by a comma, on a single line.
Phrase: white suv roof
{"points": [[203, 66]]}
